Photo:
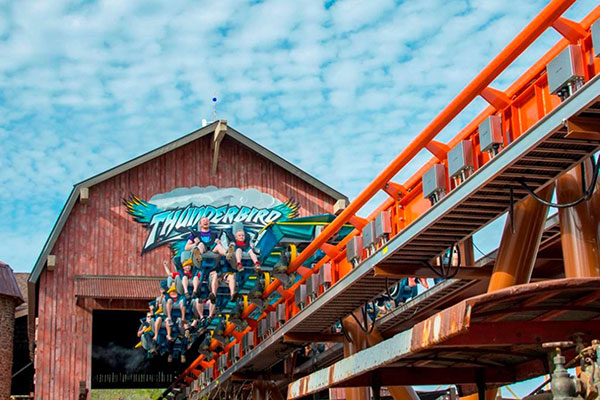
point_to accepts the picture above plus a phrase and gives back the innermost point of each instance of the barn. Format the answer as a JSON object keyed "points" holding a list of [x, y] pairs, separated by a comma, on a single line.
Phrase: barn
{"points": [[101, 265]]}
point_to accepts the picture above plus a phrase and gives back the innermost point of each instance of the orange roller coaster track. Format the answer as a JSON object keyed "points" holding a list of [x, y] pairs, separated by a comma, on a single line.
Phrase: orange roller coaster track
{"points": [[520, 107]]}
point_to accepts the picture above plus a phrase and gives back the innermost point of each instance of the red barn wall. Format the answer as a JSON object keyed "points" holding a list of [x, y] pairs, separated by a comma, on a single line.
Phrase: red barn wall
{"points": [[100, 238]]}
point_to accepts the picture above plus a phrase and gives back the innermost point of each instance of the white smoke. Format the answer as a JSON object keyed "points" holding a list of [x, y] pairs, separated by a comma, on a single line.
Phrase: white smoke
{"points": [[211, 195]]}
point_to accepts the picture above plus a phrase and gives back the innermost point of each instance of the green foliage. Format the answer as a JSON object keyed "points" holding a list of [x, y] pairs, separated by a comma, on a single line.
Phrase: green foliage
{"points": [[125, 394]]}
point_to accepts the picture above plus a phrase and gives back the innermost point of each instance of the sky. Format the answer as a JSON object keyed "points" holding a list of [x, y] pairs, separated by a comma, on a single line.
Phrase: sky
{"points": [[336, 87]]}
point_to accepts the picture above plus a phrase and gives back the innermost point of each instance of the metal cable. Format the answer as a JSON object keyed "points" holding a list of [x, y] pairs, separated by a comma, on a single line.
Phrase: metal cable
{"points": [[365, 328], [444, 271], [360, 325], [348, 338], [387, 288], [477, 248], [587, 193]]}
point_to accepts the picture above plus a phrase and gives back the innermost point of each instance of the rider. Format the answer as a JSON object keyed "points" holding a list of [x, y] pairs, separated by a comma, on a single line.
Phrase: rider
{"points": [[205, 240], [174, 296], [243, 245]]}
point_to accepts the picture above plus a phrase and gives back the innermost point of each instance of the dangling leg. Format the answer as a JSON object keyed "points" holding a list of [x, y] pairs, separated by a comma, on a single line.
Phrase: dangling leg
{"points": [[169, 338], [211, 309], [254, 260], [219, 249], [229, 252], [169, 308], [198, 252], [213, 281], [179, 283], [200, 309], [238, 259], [157, 325], [196, 285], [182, 309], [185, 282], [231, 282]]}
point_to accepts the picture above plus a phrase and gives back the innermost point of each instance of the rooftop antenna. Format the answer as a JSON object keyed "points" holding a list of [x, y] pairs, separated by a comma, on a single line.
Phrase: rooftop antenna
{"points": [[214, 100]]}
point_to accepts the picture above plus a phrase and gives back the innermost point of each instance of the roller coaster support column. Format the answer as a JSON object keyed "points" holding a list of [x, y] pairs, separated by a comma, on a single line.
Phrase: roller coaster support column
{"points": [[520, 242], [518, 249], [579, 225], [259, 390], [357, 342], [360, 341]]}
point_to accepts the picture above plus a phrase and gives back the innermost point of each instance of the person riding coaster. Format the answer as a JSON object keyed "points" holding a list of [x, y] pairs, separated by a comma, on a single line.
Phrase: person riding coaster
{"points": [[188, 274], [206, 240], [178, 291], [244, 245], [202, 242], [145, 333], [158, 333]]}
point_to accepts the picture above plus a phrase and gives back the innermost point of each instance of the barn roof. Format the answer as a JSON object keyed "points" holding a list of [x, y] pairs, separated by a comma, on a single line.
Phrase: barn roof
{"points": [[197, 134], [117, 287]]}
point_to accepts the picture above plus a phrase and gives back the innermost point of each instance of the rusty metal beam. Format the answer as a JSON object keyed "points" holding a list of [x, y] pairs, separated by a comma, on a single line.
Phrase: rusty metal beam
{"points": [[434, 330], [578, 302], [512, 333], [499, 315], [460, 326], [428, 376]]}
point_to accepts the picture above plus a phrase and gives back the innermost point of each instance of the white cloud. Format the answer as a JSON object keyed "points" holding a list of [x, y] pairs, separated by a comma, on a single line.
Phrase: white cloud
{"points": [[338, 91], [350, 15]]}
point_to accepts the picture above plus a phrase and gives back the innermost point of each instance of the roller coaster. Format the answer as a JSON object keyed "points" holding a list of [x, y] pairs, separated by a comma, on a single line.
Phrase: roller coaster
{"points": [[333, 300]]}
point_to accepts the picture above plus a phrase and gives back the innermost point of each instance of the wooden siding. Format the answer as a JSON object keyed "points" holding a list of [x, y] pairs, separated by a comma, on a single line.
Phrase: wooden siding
{"points": [[100, 238]]}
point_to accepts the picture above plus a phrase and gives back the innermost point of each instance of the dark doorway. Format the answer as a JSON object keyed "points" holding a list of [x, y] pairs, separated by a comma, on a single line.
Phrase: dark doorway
{"points": [[22, 369], [116, 364]]}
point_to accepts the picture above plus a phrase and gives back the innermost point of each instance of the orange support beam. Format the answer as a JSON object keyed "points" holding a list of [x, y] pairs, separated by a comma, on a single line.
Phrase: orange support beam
{"points": [[579, 234], [395, 190], [498, 99], [438, 149], [358, 222], [518, 250], [259, 390], [570, 30]]}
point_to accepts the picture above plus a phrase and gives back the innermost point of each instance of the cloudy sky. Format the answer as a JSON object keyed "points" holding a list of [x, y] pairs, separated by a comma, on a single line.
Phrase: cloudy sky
{"points": [[336, 87]]}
